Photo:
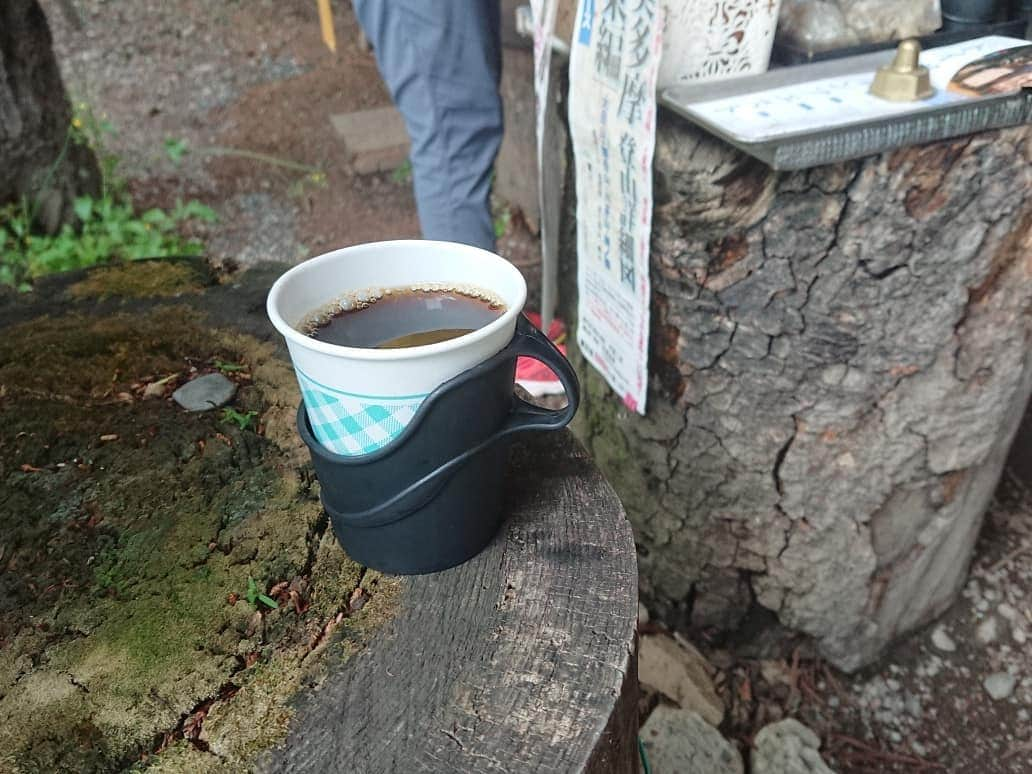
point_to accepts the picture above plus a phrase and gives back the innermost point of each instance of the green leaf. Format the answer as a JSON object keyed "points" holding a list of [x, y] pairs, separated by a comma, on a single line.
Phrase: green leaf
{"points": [[252, 591], [83, 208], [268, 601], [176, 148], [403, 173]]}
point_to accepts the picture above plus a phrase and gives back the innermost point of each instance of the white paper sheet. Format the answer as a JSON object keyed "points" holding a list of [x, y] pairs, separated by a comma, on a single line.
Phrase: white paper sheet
{"points": [[612, 114]]}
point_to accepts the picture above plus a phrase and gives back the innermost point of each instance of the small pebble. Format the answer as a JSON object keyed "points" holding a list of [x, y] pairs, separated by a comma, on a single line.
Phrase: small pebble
{"points": [[942, 641], [982, 606], [913, 705], [1007, 611], [999, 685], [987, 631], [1019, 636], [205, 393]]}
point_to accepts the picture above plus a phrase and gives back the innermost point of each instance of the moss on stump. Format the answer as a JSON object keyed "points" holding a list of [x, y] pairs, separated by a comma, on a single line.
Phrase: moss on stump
{"points": [[130, 532]]}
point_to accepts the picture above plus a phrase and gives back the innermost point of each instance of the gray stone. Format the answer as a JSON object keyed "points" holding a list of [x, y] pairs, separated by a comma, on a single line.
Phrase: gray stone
{"points": [[787, 747], [376, 139], [942, 641], [680, 741], [205, 393], [681, 673], [999, 685]]}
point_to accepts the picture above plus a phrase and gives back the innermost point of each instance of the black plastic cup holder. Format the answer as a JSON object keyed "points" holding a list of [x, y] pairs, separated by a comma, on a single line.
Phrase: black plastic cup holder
{"points": [[432, 497]]}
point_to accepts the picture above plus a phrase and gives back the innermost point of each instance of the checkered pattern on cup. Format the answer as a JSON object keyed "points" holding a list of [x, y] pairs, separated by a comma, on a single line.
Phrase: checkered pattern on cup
{"points": [[351, 424]]}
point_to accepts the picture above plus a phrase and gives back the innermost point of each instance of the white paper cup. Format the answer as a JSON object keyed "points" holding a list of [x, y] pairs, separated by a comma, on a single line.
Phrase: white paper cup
{"points": [[359, 400]]}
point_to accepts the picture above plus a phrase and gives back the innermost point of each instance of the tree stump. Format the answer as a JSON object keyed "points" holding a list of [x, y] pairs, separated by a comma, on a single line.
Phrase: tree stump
{"points": [[135, 539], [523, 659], [839, 362], [41, 162]]}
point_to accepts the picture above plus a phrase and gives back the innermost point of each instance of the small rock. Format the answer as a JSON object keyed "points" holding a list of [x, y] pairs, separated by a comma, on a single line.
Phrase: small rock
{"points": [[787, 747], [205, 393], [919, 748], [678, 740], [155, 390], [643, 614], [942, 641], [1019, 636], [1007, 611], [999, 685], [681, 673], [1023, 715], [982, 605], [912, 704], [987, 631], [896, 737]]}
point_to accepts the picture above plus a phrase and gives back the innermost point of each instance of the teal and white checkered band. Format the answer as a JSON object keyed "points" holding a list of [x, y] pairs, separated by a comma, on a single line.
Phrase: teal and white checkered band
{"points": [[355, 424]]}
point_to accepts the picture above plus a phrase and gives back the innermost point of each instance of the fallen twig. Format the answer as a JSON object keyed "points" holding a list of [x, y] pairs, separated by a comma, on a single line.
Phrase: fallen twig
{"points": [[884, 755]]}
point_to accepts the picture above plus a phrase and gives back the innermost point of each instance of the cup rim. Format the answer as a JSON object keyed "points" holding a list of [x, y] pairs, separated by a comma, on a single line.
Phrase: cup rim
{"points": [[293, 335]]}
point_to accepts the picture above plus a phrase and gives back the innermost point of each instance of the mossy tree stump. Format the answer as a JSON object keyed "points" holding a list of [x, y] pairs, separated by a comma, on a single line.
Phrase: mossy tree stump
{"points": [[131, 532], [839, 362]]}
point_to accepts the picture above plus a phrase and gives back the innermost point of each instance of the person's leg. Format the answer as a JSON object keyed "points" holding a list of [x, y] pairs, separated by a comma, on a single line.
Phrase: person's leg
{"points": [[441, 61]]}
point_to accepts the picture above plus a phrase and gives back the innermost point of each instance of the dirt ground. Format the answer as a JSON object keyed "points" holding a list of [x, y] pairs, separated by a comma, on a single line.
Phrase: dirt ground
{"points": [[232, 75], [234, 79]]}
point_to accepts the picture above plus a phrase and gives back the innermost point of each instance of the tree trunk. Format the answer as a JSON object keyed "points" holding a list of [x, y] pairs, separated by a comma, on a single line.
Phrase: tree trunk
{"points": [[839, 364], [38, 159]]}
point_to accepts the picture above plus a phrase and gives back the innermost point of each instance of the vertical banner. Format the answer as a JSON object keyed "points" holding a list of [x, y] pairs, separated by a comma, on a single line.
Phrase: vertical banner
{"points": [[548, 157], [614, 59]]}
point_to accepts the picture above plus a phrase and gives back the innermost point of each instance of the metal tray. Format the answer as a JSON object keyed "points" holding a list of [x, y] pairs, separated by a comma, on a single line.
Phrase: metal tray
{"points": [[805, 149]]}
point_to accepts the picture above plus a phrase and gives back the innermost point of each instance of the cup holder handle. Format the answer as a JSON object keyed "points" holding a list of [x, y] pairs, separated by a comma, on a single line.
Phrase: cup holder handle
{"points": [[529, 342]]}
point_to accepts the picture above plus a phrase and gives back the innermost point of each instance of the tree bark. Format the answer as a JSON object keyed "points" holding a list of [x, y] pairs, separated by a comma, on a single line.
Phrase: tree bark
{"points": [[839, 364], [38, 158]]}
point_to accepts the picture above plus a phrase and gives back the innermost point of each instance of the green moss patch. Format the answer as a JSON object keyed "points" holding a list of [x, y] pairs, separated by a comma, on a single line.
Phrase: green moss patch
{"points": [[129, 533], [143, 279]]}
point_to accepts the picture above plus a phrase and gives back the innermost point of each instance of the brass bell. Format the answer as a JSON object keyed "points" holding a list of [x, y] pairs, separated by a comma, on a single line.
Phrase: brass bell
{"points": [[905, 80]]}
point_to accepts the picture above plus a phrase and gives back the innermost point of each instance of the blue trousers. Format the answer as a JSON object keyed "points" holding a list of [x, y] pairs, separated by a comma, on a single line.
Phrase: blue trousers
{"points": [[441, 61]]}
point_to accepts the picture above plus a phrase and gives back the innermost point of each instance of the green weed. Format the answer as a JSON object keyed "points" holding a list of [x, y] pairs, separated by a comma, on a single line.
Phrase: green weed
{"points": [[108, 228], [402, 174], [253, 596], [243, 420]]}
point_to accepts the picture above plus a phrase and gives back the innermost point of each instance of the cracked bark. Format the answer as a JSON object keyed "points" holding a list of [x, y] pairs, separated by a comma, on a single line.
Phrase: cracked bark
{"points": [[838, 366]]}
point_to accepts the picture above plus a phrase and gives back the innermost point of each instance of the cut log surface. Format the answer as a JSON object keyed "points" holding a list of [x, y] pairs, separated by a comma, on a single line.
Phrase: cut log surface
{"points": [[521, 660], [839, 361]]}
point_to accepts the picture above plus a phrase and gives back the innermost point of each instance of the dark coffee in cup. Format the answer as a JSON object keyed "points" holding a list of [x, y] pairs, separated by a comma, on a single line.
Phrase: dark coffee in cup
{"points": [[404, 317]]}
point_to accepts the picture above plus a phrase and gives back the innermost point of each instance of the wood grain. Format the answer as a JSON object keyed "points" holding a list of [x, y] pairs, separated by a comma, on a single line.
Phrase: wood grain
{"points": [[521, 660]]}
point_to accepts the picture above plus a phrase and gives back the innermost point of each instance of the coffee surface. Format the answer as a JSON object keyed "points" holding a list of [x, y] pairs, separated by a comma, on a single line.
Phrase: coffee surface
{"points": [[406, 318]]}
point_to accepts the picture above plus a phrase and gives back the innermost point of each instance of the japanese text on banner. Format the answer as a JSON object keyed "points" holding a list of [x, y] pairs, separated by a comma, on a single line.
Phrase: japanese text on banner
{"points": [[613, 66]]}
